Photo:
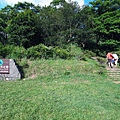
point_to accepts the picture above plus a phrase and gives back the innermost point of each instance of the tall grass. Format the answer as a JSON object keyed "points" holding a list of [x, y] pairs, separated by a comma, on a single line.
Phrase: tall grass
{"points": [[60, 90]]}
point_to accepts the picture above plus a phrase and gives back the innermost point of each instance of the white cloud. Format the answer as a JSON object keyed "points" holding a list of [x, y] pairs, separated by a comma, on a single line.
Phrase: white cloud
{"points": [[36, 2], [80, 2]]}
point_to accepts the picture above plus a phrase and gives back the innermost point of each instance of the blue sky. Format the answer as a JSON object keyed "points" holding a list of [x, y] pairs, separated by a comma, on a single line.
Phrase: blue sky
{"points": [[87, 1], [3, 3]]}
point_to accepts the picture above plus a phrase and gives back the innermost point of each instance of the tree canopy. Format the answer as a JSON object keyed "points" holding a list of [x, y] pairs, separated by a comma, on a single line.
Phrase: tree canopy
{"points": [[95, 27]]}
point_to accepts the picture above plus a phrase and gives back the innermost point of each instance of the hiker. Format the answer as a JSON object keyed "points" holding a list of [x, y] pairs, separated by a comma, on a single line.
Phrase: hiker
{"points": [[110, 58], [115, 59]]}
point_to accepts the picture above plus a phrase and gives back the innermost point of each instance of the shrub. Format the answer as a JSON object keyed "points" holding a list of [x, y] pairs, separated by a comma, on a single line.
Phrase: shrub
{"points": [[32, 53], [39, 51], [75, 50], [12, 52], [16, 52], [62, 53], [6, 50], [86, 54], [42, 51]]}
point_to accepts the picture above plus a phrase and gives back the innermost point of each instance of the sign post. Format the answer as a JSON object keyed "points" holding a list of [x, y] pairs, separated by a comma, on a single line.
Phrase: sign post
{"points": [[9, 70], [4, 66]]}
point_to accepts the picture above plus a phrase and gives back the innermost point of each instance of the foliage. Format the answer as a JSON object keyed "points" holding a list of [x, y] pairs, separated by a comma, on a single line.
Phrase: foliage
{"points": [[75, 50], [106, 21], [22, 29], [39, 51], [112, 45], [42, 51], [16, 52], [67, 52], [3, 35], [95, 28], [6, 50], [12, 52], [86, 55]]}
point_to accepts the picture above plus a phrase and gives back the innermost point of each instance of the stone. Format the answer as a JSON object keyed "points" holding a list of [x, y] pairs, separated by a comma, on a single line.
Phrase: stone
{"points": [[10, 72]]}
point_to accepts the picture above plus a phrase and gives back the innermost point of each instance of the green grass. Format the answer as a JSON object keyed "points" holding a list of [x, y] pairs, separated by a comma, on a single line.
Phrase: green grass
{"points": [[60, 90]]}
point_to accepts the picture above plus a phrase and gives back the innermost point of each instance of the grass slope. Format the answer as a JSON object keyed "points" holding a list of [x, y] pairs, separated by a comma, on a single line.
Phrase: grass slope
{"points": [[60, 90]]}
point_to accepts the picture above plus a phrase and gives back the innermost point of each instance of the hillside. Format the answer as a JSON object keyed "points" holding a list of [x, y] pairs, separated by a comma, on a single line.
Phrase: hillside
{"points": [[61, 90], [60, 68]]}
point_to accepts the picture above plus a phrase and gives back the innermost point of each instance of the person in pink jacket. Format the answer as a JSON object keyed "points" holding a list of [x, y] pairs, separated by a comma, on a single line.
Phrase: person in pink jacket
{"points": [[110, 58]]}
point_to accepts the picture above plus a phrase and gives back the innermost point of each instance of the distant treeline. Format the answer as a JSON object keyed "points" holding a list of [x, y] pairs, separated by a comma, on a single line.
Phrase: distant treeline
{"points": [[95, 28]]}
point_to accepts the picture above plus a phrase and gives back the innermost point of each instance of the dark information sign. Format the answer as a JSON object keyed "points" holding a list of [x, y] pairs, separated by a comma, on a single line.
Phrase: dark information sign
{"points": [[4, 66]]}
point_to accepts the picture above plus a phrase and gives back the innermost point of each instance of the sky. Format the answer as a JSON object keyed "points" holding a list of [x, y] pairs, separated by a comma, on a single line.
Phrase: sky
{"points": [[3, 3]]}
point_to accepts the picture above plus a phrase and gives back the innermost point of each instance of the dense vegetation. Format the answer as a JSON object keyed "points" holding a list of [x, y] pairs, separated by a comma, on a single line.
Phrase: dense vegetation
{"points": [[31, 31]]}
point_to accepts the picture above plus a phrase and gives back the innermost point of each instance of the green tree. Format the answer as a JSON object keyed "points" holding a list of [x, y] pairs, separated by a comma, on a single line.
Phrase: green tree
{"points": [[53, 25], [107, 23], [84, 28], [60, 21], [23, 28], [3, 35]]}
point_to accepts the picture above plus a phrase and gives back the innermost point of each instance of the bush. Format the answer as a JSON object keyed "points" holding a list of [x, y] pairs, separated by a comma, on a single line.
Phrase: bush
{"points": [[39, 51], [42, 51], [86, 54], [12, 52], [6, 50], [32, 53], [16, 52], [75, 50], [62, 53]]}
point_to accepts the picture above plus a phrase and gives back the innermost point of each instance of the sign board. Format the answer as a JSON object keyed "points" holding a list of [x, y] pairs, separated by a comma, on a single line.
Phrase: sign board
{"points": [[4, 66]]}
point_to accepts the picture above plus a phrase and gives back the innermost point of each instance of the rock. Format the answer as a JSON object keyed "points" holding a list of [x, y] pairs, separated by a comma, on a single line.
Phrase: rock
{"points": [[12, 72]]}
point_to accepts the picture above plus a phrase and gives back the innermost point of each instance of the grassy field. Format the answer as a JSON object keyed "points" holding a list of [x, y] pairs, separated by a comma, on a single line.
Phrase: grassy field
{"points": [[61, 90]]}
